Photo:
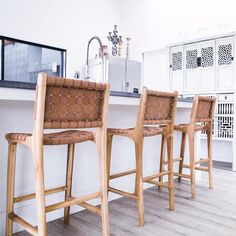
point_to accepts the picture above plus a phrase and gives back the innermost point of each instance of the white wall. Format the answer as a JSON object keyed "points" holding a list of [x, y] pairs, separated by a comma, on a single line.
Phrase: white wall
{"points": [[153, 24], [66, 24]]}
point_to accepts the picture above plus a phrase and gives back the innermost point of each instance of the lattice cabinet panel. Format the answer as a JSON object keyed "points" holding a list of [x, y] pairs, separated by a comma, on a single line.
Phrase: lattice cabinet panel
{"points": [[225, 54], [223, 124], [207, 56], [176, 67], [177, 59], [191, 59], [224, 127]]}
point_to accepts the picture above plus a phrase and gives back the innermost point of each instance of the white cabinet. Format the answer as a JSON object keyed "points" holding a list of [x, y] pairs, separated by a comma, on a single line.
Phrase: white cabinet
{"points": [[199, 66], [203, 66], [192, 67]]}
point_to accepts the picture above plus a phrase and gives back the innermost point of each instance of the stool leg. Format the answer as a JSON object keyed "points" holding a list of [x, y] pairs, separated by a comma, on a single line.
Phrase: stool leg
{"points": [[209, 151], [171, 173], [182, 150], [103, 184], [69, 176], [39, 189], [162, 159], [139, 180], [108, 157], [10, 187], [192, 164]]}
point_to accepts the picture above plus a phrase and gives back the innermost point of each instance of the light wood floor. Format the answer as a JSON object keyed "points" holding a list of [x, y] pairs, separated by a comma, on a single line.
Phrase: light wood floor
{"points": [[212, 213]]}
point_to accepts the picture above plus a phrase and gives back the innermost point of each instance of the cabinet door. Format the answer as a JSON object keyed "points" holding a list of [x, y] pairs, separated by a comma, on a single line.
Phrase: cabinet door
{"points": [[192, 67], [176, 68], [208, 65], [224, 63], [155, 72]]}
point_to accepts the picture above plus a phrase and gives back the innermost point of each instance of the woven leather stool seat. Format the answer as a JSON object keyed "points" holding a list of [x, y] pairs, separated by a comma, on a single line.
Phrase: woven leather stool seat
{"points": [[183, 127], [147, 131], [64, 137]]}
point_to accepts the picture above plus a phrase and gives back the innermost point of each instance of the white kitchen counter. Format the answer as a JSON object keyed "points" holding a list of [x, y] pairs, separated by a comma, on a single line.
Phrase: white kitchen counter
{"points": [[16, 115], [14, 94]]}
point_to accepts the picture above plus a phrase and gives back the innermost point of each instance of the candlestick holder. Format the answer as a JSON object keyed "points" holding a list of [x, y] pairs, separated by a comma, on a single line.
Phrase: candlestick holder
{"points": [[115, 40]]}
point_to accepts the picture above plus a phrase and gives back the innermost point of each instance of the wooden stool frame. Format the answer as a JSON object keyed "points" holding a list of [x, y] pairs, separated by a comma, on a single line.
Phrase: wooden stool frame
{"points": [[36, 142], [137, 134], [201, 119]]}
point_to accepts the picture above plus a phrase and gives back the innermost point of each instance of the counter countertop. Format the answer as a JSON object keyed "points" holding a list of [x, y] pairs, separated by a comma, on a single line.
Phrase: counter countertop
{"points": [[116, 98]]}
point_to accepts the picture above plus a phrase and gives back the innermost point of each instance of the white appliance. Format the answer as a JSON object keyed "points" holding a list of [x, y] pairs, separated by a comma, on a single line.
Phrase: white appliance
{"points": [[123, 74]]}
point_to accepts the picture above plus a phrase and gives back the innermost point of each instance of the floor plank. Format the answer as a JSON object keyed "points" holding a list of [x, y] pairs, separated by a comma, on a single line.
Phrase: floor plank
{"points": [[212, 213]]}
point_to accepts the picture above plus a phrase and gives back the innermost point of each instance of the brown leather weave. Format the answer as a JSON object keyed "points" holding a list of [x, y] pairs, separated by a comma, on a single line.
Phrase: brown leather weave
{"points": [[183, 127], [73, 103], [159, 107], [64, 137], [204, 109]]}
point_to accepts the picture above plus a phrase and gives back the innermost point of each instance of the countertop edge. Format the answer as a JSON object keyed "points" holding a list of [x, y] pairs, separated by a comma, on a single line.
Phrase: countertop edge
{"points": [[116, 98]]}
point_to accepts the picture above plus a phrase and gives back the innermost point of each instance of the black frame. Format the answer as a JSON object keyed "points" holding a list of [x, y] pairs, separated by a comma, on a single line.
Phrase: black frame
{"points": [[26, 85]]}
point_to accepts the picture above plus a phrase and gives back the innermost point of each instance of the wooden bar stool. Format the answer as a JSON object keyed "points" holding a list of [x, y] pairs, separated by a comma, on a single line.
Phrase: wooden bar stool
{"points": [[61, 104], [155, 109], [201, 119]]}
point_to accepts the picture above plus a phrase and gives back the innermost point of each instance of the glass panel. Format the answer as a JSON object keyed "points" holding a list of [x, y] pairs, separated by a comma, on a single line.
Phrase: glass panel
{"points": [[23, 62], [16, 61]]}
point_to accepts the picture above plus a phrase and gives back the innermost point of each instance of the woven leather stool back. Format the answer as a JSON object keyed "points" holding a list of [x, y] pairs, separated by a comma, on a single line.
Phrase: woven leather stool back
{"points": [[203, 109], [159, 107], [71, 103]]}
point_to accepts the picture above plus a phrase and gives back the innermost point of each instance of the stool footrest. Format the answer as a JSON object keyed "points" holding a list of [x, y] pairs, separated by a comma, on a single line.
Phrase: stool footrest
{"points": [[129, 172], [89, 207], [174, 160], [28, 227], [202, 160], [157, 183], [202, 168], [155, 176], [182, 175], [123, 193], [46, 192], [73, 201]]}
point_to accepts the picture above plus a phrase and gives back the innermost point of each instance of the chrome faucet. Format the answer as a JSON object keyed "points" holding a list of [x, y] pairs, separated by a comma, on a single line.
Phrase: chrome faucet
{"points": [[87, 59]]}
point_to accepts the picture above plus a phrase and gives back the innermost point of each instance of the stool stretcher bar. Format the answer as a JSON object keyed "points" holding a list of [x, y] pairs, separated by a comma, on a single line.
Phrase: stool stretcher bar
{"points": [[129, 172], [73, 201], [46, 192], [123, 193]]}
